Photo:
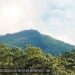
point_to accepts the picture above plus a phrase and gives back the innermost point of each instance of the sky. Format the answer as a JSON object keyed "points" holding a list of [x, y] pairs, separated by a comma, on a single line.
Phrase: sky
{"points": [[52, 17]]}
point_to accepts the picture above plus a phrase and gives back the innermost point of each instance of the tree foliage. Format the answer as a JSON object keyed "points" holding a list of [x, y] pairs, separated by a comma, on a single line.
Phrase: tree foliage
{"points": [[32, 57]]}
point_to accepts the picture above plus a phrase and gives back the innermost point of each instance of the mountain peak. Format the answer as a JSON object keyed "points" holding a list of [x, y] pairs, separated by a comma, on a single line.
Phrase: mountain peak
{"points": [[28, 33], [35, 38]]}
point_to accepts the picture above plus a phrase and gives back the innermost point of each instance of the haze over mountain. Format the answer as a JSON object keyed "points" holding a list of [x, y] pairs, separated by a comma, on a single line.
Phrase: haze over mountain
{"points": [[35, 38]]}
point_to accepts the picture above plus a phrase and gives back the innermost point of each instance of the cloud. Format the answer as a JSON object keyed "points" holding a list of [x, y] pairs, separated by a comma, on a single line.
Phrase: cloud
{"points": [[15, 15], [52, 17], [58, 18]]}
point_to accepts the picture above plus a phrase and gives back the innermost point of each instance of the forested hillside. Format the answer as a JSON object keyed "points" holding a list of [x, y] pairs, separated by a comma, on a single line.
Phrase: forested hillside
{"points": [[34, 58], [35, 38]]}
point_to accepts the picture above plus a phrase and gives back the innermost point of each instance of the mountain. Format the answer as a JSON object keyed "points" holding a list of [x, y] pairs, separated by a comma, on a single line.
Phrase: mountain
{"points": [[35, 38]]}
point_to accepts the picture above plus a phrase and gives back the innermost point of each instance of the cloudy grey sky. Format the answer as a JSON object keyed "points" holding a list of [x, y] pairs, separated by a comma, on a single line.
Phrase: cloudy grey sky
{"points": [[53, 17]]}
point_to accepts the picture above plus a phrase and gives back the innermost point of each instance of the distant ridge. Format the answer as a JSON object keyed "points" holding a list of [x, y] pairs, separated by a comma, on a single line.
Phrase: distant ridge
{"points": [[35, 38]]}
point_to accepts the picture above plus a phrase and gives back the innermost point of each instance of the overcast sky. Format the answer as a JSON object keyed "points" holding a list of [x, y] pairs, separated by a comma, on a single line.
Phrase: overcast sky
{"points": [[53, 17]]}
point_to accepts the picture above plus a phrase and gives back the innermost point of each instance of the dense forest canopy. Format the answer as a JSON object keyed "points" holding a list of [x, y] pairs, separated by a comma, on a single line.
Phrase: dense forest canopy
{"points": [[33, 57]]}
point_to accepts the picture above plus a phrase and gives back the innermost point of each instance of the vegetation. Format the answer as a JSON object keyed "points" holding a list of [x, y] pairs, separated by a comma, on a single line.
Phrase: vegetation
{"points": [[46, 43], [34, 58]]}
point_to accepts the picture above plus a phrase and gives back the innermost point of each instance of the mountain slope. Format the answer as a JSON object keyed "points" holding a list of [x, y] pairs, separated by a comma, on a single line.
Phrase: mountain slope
{"points": [[47, 43]]}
